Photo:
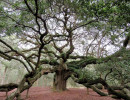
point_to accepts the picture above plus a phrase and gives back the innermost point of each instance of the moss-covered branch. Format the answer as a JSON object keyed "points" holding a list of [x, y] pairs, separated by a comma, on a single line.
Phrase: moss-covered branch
{"points": [[96, 90], [122, 54], [50, 62], [8, 87], [110, 90]]}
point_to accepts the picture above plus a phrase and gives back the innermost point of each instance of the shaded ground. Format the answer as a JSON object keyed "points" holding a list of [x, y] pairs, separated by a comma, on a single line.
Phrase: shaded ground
{"points": [[40, 93]]}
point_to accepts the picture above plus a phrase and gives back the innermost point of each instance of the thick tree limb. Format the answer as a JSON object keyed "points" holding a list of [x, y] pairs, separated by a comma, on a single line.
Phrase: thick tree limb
{"points": [[30, 80], [96, 90], [109, 88], [8, 87]]}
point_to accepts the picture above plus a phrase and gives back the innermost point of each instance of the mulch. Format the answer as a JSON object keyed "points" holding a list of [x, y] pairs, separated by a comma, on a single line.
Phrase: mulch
{"points": [[46, 93]]}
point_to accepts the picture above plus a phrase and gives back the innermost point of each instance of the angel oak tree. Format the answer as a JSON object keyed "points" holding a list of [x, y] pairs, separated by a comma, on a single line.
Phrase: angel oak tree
{"points": [[51, 32]]}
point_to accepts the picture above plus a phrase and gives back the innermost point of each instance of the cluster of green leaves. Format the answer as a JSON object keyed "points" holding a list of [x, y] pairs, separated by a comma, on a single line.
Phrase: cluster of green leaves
{"points": [[119, 74], [112, 16], [14, 15], [86, 74], [114, 11], [7, 25]]}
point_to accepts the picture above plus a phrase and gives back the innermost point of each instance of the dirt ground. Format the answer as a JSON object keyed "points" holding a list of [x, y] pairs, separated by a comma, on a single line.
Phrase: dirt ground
{"points": [[46, 93]]}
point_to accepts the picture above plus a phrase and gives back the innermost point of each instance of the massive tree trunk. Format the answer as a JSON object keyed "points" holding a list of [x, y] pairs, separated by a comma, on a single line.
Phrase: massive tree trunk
{"points": [[60, 79]]}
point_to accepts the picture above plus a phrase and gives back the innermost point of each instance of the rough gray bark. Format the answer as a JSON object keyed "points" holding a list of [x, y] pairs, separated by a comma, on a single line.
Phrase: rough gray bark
{"points": [[59, 83]]}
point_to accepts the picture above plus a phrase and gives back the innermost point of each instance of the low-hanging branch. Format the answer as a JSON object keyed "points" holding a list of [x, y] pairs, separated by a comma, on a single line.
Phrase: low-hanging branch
{"points": [[110, 90], [8, 87], [101, 93], [30, 79]]}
